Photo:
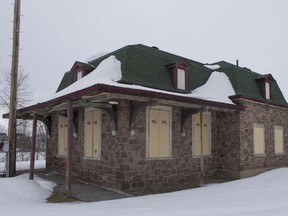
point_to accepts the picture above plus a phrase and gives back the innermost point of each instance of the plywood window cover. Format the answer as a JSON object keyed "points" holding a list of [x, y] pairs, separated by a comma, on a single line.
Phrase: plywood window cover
{"points": [[258, 130], [193, 135], [98, 156], [164, 108], [278, 143], [62, 133]]}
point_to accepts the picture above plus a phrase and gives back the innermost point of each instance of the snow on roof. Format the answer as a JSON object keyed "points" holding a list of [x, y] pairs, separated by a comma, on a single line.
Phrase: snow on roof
{"points": [[108, 72], [218, 87], [95, 56], [212, 67]]}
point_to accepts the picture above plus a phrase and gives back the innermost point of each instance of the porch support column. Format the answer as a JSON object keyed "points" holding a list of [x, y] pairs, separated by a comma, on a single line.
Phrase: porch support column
{"points": [[69, 150], [202, 150], [32, 157]]}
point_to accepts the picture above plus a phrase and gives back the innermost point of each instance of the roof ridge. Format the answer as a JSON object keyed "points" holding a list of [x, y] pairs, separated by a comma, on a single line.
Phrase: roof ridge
{"points": [[163, 53]]}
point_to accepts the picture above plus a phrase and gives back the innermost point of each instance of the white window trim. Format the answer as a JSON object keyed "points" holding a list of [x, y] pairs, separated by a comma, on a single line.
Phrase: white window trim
{"points": [[193, 136], [267, 90], [79, 75], [165, 108], [181, 78]]}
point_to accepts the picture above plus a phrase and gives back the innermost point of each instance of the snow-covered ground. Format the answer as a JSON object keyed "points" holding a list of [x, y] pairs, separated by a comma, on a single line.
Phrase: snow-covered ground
{"points": [[264, 195]]}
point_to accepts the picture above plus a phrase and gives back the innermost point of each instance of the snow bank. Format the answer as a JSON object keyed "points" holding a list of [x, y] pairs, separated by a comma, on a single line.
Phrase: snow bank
{"points": [[264, 195]]}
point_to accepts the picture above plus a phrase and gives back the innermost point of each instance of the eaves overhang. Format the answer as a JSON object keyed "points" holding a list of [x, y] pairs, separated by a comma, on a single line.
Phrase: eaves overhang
{"points": [[127, 93], [238, 98]]}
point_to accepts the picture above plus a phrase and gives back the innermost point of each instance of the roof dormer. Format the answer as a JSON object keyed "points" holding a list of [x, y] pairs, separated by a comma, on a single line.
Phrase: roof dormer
{"points": [[81, 69], [180, 76], [265, 83]]}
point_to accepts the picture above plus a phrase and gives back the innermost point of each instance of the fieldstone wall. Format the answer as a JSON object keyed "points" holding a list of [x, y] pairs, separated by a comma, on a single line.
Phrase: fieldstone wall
{"points": [[269, 116], [123, 164], [228, 141], [235, 147]]}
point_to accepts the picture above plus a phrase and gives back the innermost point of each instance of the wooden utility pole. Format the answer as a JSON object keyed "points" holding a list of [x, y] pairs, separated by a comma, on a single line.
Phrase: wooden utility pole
{"points": [[13, 91], [32, 157]]}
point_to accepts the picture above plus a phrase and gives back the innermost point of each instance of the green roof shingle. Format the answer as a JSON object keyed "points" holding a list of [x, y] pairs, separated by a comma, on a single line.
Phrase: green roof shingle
{"points": [[147, 66]]}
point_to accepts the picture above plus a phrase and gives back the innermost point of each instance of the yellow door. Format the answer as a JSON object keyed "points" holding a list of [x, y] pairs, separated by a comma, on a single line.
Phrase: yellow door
{"points": [[88, 134], [164, 135], [153, 133]]}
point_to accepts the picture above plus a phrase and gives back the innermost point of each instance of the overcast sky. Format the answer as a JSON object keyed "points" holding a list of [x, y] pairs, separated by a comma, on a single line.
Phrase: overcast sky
{"points": [[56, 33]]}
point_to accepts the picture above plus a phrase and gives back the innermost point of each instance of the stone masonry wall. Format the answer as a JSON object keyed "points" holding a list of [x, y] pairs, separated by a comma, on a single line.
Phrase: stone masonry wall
{"points": [[123, 164], [228, 141], [269, 116]]}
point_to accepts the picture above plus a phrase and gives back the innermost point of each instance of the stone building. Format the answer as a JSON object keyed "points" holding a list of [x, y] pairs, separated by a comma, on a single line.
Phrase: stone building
{"points": [[141, 119]]}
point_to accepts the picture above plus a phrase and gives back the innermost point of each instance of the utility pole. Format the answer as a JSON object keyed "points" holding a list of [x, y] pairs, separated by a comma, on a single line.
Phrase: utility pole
{"points": [[13, 91]]}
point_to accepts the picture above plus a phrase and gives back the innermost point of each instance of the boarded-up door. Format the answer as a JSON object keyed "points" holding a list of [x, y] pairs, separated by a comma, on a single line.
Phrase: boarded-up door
{"points": [[92, 134], [159, 133], [206, 134], [62, 135]]}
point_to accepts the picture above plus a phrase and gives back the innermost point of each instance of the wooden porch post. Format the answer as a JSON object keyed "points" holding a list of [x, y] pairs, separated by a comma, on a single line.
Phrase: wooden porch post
{"points": [[202, 150], [32, 157], [69, 150]]}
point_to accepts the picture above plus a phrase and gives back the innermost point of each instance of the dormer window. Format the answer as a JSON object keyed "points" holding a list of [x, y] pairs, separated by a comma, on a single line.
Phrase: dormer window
{"points": [[79, 75], [81, 69], [181, 79], [265, 83], [180, 74], [267, 90]]}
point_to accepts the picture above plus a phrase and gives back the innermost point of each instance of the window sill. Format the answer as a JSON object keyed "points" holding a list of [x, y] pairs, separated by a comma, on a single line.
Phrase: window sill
{"points": [[259, 155], [158, 158], [198, 156], [91, 158], [61, 156]]}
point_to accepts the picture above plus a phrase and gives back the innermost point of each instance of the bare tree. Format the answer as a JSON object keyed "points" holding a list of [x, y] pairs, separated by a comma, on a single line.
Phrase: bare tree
{"points": [[3, 129], [23, 86], [24, 97]]}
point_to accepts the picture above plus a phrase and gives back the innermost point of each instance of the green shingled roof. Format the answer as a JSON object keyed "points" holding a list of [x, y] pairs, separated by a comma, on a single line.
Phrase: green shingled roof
{"points": [[147, 66], [67, 80], [244, 82]]}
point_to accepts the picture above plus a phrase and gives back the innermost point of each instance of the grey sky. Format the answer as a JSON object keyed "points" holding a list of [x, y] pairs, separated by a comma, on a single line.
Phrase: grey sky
{"points": [[58, 32]]}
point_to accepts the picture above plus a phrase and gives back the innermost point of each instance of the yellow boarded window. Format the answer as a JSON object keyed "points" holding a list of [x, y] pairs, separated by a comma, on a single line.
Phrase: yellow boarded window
{"points": [[62, 135], [278, 140], [92, 134], [159, 131], [206, 134], [259, 139]]}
